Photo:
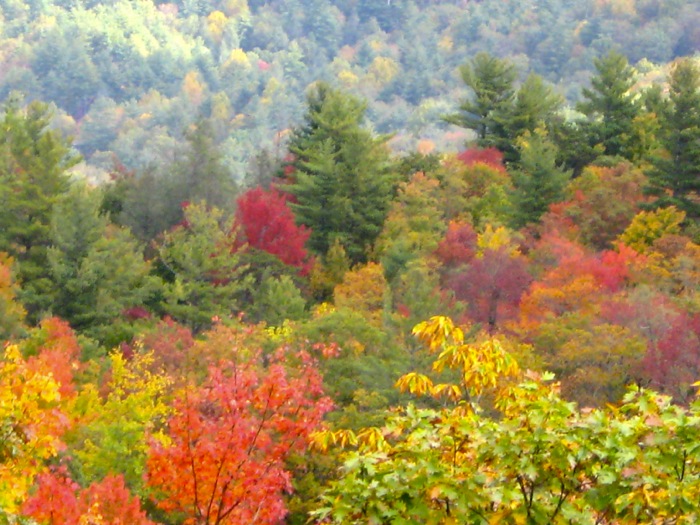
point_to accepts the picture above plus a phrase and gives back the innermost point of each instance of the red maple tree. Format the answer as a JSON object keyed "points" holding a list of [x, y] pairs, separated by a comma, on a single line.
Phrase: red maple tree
{"points": [[268, 224], [225, 460], [59, 500], [489, 156]]}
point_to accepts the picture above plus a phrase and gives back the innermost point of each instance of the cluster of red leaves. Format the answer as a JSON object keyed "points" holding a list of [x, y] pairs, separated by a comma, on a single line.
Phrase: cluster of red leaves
{"points": [[268, 224], [459, 245], [574, 278], [59, 353], [489, 156], [58, 500], [225, 460], [170, 343], [491, 286]]}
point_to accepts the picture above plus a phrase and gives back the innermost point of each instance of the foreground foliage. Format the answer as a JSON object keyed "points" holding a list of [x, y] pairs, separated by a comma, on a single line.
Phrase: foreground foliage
{"points": [[530, 458]]}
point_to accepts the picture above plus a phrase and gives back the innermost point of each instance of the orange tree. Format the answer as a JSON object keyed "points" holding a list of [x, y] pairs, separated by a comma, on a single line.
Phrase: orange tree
{"points": [[224, 458], [532, 458]]}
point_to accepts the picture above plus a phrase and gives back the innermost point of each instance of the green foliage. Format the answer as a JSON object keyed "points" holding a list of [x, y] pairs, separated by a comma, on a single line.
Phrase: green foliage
{"points": [[414, 225], [33, 164], [152, 202], [11, 311], [648, 226], [538, 183], [115, 430], [341, 180], [96, 269], [611, 106], [534, 107], [329, 272], [477, 193], [491, 82], [541, 460], [595, 362], [202, 270], [278, 299], [673, 179]]}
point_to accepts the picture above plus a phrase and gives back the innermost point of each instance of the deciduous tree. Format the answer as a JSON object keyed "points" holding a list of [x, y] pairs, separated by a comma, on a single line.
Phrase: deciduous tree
{"points": [[224, 460], [58, 500], [266, 223], [31, 425]]}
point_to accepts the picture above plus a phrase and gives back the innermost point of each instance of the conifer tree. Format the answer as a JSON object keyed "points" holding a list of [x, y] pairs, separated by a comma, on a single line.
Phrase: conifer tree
{"points": [[96, 269], [203, 272], [491, 82], [610, 105], [341, 175], [496, 111], [535, 105], [674, 179], [538, 183], [33, 164]]}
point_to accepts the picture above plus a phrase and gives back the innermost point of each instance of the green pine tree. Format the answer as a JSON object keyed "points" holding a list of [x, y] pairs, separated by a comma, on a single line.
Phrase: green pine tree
{"points": [[203, 274], [491, 81], [33, 164], [610, 105], [535, 105], [97, 270], [342, 178], [538, 183], [674, 179]]}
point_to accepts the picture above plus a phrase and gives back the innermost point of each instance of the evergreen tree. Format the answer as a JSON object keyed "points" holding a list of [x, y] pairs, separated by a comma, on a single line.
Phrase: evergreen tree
{"points": [[491, 82], [202, 175], [674, 179], [538, 183], [33, 164], [535, 105], [152, 201], [203, 273], [341, 175], [96, 269], [610, 105]]}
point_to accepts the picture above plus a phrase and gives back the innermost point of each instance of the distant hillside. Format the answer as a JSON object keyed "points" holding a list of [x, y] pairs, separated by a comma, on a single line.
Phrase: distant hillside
{"points": [[130, 77]]}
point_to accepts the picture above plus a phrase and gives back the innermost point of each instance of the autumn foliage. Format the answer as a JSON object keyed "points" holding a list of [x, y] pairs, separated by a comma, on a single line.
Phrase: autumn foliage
{"points": [[58, 500], [268, 224], [224, 461]]}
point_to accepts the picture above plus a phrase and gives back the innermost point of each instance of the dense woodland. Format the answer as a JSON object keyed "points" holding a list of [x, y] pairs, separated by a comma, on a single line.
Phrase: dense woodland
{"points": [[374, 262]]}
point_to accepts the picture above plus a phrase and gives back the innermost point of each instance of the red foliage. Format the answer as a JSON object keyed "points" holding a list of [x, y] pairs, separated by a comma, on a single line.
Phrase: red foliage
{"points": [[672, 364], [55, 501], [268, 224], [230, 437], [171, 344], [491, 286], [489, 156], [459, 245], [58, 353], [136, 313], [567, 259], [58, 500]]}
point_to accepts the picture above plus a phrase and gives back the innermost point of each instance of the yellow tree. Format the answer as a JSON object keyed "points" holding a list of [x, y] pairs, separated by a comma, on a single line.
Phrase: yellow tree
{"points": [[532, 459], [30, 426]]}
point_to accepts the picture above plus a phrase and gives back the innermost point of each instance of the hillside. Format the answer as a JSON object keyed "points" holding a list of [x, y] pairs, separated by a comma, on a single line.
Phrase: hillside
{"points": [[129, 78]]}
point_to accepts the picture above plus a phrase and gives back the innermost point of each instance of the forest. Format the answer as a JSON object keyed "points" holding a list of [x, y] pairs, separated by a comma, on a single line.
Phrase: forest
{"points": [[364, 262]]}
